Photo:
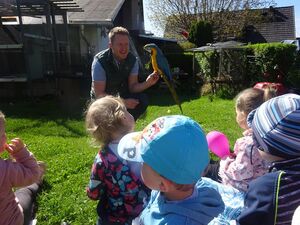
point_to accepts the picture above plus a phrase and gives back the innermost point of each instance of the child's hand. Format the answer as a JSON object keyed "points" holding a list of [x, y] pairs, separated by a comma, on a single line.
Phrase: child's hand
{"points": [[15, 146]]}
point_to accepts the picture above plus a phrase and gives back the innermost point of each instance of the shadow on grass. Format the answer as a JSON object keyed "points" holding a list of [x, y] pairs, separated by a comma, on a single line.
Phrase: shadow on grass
{"points": [[163, 97], [44, 110], [48, 108], [46, 186]]}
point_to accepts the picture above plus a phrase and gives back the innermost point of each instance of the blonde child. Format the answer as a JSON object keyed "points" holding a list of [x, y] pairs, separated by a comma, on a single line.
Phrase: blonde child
{"points": [[16, 207], [114, 182], [245, 164]]}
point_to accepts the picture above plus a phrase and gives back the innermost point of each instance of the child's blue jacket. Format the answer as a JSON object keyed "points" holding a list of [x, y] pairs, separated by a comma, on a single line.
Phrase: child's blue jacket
{"points": [[205, 204]]}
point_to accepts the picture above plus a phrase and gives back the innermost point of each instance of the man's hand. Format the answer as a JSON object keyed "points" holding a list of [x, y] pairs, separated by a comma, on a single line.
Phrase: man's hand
{"points": [[152, 79], [131, 103], [15, 146]]}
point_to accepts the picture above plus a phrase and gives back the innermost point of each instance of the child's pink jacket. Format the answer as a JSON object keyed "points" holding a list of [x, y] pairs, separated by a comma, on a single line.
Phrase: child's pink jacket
{"points": [[245, 165], [23, 172]]}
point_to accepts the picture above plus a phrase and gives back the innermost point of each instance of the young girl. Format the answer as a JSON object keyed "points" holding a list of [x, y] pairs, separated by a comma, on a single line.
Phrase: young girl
{"points": [[115, 182], [245, 164], [16, 207]]}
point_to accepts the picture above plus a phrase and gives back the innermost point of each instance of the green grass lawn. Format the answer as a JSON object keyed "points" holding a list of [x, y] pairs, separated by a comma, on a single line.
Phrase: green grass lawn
{"points": [[59, 139]]}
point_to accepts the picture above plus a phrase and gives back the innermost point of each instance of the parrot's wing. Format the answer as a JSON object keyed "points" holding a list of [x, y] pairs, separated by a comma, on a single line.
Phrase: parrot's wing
{"points": [[164, 65]]}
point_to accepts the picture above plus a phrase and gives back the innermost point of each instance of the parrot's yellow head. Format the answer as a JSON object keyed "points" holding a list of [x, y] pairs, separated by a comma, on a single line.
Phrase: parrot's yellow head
{"points": [[151, 48]]}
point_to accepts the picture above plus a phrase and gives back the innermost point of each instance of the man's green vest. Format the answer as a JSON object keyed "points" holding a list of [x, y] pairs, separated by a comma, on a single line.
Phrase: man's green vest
{"points": [[116, 75]]}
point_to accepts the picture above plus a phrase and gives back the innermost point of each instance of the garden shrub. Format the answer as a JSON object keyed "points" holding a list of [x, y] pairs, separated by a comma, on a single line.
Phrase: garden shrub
{"points": [[187, 45], [201, 33], [184, 61], [271, 61], [208, 63], [227, 91], [293, 78]]}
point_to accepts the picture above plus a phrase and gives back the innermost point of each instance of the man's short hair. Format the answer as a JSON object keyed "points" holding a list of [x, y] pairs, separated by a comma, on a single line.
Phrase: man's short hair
{"points": [[117, 30]]}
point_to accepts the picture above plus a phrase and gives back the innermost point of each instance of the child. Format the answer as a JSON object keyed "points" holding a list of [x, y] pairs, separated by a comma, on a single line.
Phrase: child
{"points": [[245, 164], [273, 197], [16, 208], [174, 153], [114, 182]]}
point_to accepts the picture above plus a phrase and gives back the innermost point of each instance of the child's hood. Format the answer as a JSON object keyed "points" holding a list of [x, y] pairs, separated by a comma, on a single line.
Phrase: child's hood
{"points": [[202, 207]]}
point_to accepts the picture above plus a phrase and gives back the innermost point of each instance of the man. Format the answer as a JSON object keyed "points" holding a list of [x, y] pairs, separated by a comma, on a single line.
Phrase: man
{"points": [[115, 70]]}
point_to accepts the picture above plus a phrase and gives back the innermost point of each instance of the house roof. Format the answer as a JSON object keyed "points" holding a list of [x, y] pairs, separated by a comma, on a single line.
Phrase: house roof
{"points": [[96, 12], [35, 7]]}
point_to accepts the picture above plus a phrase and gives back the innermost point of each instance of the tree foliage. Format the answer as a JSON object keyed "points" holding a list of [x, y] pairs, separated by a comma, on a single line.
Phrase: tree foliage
{"points": [[201, 33], [228, 17]]}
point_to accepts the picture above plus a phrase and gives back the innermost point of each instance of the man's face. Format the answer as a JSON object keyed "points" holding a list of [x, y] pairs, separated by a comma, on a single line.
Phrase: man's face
{"points": [[120, 46]]}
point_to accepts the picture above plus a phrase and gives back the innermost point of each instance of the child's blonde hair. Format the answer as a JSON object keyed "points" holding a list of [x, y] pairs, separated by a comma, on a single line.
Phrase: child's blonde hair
{"points": [[251, 98], [104, 117]]}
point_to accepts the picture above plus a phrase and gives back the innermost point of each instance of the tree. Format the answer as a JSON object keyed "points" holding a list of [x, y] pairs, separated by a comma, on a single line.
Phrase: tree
{"points": [[228, 17], [201, 33]]}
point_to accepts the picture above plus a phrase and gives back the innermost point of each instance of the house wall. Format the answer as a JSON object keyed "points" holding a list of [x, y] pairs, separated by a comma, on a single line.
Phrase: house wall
{"points": [[131, 16], [85, 42], [93, 38]]}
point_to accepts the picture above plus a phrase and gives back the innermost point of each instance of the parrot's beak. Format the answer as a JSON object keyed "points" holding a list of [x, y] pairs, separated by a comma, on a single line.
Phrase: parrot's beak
{"points": [[147, 49]]}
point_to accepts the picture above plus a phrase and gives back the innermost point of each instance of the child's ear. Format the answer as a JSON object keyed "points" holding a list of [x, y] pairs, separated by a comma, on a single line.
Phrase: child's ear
{"points": [[165, 185]]}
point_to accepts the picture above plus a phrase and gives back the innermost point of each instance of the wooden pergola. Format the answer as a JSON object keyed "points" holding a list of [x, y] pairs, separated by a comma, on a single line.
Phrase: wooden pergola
{"points": [[49, 10], [222, 48]]}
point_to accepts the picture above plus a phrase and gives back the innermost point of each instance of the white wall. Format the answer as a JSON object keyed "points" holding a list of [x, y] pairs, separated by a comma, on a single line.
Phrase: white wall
{"points": [[96, 36]]}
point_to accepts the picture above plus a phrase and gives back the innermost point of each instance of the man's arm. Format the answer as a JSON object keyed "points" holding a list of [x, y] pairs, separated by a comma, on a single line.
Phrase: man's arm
{"points": [[134, 85], [98, 79], [99, 88]]}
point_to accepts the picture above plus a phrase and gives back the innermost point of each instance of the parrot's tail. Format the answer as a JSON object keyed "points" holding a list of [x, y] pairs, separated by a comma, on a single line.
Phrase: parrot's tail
{"points": [[174, 94]]}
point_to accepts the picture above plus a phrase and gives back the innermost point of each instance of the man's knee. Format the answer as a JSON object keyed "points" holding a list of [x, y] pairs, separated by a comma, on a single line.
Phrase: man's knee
{"points": [[141, 107]]}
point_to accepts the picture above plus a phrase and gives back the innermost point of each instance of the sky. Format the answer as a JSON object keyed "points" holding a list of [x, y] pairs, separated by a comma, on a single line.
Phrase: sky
{"points": [[295, 3]]}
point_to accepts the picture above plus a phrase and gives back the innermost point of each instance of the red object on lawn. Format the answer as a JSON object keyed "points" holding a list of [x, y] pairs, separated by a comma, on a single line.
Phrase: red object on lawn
{"points": [[279, 88]]}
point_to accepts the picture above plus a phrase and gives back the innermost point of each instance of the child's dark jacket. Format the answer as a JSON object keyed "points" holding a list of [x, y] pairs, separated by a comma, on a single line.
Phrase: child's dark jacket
{"points": [[273, 198]]}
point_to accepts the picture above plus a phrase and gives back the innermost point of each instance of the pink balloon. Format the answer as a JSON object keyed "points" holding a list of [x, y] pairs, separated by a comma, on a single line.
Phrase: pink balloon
{"points": [[218, 143]]}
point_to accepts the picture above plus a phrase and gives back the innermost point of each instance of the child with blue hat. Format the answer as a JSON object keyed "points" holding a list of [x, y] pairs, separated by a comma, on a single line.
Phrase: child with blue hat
{"points": [[273, 197], [173, 151]]}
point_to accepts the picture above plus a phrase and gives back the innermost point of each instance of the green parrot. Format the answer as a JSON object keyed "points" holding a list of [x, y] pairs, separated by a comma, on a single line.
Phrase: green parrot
{"points": [[161, 66]]}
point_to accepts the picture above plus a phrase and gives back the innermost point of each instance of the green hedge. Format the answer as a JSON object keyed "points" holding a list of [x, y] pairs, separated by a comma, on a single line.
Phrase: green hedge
{"points": [[272, 59], [254, 63], [245, 67], [208, 64]]}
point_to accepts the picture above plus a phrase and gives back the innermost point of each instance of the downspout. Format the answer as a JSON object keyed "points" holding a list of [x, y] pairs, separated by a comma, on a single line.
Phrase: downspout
{"points": [[85, 39], [88, 58]]}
